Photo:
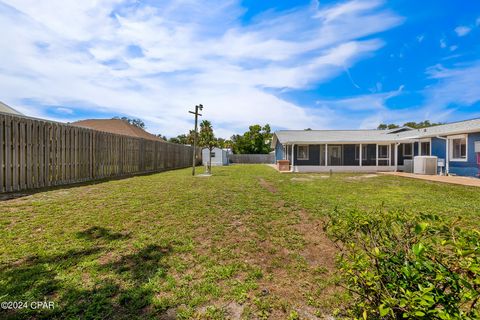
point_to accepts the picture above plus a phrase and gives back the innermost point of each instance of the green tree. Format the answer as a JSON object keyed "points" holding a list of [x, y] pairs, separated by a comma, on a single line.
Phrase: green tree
{"points": [[207, 140], [255, 141], [411, 124], [161, 136], [384, 126], [135, 122], [421, 124]]}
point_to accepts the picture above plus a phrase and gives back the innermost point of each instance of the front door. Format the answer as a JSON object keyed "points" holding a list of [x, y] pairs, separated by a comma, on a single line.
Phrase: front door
{"points": [[334, 155]]}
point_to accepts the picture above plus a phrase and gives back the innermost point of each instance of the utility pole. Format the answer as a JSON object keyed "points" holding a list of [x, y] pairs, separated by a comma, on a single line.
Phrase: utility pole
{"points": [[198, 107]]}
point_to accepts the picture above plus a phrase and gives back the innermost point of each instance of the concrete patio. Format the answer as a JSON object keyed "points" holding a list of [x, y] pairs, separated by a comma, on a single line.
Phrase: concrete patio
{"points": [[465, 181]]}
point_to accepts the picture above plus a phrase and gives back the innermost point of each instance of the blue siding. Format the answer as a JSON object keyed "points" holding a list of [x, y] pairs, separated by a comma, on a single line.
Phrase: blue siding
{"points": [[278, 151], [470, 167], [438, 148]]}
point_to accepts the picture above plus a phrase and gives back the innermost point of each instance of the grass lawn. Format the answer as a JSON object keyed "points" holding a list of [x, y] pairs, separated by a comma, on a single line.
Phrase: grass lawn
{"points": [[244, 243]]}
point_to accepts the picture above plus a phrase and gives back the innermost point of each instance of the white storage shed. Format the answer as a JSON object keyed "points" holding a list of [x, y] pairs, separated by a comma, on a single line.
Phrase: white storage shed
{"points": [[219, 156]]}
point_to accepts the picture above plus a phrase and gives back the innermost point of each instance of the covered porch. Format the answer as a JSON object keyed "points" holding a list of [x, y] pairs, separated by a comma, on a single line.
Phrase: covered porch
{"points": [[352, 157]]}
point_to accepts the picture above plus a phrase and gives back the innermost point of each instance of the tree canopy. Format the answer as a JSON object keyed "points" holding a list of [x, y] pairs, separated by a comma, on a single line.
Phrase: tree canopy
{"points": [[411, 124], [255, 141], [206, 136], [135, 122]]}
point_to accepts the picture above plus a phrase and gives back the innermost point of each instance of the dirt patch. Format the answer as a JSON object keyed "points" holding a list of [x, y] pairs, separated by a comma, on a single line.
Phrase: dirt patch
{"points": [[234, 310], [267, 185], [364, 176], [301, 179], [319, 250]]}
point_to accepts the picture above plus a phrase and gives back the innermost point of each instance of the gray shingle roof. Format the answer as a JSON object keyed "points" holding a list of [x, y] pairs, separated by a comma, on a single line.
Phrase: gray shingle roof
{"points": [[372, 136], [7, 109], [466, 126]]}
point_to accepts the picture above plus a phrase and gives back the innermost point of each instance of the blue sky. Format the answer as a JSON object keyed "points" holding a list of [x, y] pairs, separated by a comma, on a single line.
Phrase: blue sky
{"points": [[292, 64]]}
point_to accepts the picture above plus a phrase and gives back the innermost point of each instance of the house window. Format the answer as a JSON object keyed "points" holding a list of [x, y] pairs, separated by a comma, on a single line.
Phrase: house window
{"points": [[407, 150], [425, 148], [458, 148], [364, 152], [302, 152], [212, 154]]}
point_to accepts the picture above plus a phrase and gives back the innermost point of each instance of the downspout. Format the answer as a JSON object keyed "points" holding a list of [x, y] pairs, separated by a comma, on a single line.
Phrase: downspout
{"points": [[447, 156]]}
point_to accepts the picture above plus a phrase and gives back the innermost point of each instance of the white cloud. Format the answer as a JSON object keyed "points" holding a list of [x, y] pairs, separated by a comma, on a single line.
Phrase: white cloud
{"points": [[455, 86], [366, 111], [420, 38], [64, 110], [450, 93], [462, 30], [443, 43], [74, 54]]}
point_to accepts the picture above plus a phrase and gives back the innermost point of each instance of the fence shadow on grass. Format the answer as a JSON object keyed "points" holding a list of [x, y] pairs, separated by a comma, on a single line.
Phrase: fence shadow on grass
{"points": [[121, 291]]}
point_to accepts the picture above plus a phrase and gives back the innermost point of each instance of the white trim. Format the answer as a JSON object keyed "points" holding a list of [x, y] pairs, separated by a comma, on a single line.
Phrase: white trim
{"points": [[360, 156], [455, 137], [396, 156], [293, 158], [308, 151], [429, 140], [326, 154], [388, 152]]}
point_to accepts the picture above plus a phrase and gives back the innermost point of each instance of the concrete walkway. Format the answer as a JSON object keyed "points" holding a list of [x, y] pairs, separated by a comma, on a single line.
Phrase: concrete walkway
{"points": [[465, 181]]}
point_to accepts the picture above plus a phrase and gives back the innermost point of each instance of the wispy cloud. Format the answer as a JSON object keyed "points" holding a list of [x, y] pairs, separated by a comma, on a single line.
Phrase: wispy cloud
{"points": [[443, 43], [454, 86], [462, 30], [156, 60]]}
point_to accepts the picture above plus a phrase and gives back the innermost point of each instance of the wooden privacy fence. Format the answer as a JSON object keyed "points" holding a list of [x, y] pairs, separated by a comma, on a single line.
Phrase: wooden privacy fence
{"points": [[251, 158], [38, 153]]}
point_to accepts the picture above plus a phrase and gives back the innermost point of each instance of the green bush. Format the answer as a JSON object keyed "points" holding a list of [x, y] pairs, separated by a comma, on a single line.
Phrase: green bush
{"points": [[399, 265]]}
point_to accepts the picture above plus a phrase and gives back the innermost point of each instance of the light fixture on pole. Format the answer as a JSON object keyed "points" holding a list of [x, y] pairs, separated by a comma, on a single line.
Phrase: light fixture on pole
{"points": [[197, 107]]}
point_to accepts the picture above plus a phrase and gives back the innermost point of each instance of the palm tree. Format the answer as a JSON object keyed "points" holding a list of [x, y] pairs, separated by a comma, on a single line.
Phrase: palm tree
{"points": [[207, 140]]}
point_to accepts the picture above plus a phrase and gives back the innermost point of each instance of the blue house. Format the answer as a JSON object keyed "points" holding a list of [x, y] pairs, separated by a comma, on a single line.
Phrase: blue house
{"points": [[456, 146]]}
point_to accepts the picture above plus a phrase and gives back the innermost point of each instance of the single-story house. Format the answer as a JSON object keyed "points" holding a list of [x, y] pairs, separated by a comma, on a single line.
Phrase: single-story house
{"points": [[7, 109], [117, 126], [456, 145], [219, 156]]}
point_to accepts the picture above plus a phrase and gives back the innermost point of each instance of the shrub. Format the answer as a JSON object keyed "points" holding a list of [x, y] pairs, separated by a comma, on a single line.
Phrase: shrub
{"points": [[399, 265]]}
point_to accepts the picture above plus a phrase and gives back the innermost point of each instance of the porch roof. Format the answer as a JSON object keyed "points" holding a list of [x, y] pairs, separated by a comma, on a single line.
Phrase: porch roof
{"points": [[337, 136], [406, 134]]}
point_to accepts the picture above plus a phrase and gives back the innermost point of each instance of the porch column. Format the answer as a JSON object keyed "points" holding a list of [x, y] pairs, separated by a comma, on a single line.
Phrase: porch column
{"points": [[396, 157], [361, 155], [326, 154], [293, 156], [376, 155], [447, 157], [390, 155]]}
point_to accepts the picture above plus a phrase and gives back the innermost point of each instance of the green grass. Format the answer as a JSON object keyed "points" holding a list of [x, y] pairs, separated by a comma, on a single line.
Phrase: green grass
{"points": [[247, 241]]}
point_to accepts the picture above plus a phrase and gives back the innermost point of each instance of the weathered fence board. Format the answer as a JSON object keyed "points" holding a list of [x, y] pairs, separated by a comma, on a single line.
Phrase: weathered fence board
{"points": [[251, 158], [36, 153]]}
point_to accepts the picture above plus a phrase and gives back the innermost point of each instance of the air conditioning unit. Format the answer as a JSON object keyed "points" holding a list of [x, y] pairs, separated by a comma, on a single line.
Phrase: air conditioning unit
{"points": [[425, 165], [477, 146], [408, 165]]}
